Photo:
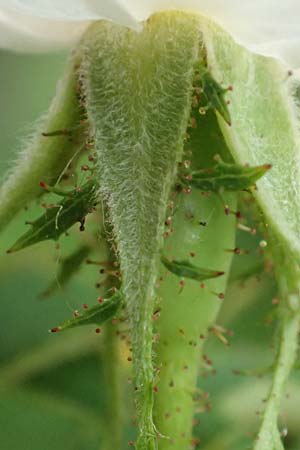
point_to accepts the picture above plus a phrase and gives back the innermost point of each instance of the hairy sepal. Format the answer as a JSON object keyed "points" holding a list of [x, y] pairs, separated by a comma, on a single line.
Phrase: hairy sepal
{"points": [[138, 88], [265, 126], [269, 436], [45, 157]]}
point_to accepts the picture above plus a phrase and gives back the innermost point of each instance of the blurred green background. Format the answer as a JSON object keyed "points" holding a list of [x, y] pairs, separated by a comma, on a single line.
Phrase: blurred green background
{"points": [[53, 388]]}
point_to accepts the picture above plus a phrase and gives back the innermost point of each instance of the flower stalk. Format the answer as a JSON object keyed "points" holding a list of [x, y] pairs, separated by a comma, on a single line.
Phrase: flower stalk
{"points": [[142, 101]]}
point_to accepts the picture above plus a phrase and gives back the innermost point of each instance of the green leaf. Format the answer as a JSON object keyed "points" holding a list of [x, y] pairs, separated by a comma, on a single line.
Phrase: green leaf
{"points": [[227, 177], [188, 270], [265, 126], [97, 314], [59, 218], [68, 267]]}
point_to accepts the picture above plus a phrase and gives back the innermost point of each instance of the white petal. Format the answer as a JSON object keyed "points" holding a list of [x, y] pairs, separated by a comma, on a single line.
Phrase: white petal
{"points": [[24, 33], [270, 27], [120, 11], [288, 50], [51, 24], [258, 24]]}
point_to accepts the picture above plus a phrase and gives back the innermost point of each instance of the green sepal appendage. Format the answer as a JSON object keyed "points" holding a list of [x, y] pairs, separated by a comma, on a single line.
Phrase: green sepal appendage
{"points": [[207, 89], [98, 314], [185, 269], [58, 218], [225, 177]]}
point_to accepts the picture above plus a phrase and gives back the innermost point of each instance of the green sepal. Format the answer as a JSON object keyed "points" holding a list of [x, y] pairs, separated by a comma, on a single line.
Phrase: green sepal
{"points": [[59, 218], [68, 267], [185, 269], [138, 88], [265, 125], [226, 177], [98, 314], [47, 158]]}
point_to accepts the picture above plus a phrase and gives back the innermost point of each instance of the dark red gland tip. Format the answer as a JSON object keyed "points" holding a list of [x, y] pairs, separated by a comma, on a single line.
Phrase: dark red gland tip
{"points": [[100, 300], [267, 166], [218, 274], [168, 221], [98, 330], [226, 210], [43, 185], [195, 442], [85, 306], [55, 329]]}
